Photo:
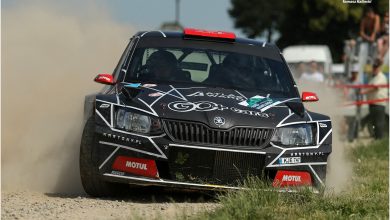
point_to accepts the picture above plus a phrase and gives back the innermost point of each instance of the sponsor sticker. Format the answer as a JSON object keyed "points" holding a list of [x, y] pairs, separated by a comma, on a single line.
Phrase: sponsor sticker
{"points": [[133, 85], [218, 95], [201, 106], [204, 106], [137, 166], [259, 102], [322, 125], [155, 94], [196, 94], [148, 85], [251, 101], [311, 97], [262, 103], [118, 173], [248, 112], [105, 105], [289, 160], [319, 153], [122, 138], [104, 78], [291, 178]]}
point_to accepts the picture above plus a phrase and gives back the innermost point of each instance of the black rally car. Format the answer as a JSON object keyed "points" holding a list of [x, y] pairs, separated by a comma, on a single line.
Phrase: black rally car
{"points": [[202, 110]]}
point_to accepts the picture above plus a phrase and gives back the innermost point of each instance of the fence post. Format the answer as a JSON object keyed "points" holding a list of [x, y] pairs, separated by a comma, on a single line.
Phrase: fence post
{"points": [[359, 98]]}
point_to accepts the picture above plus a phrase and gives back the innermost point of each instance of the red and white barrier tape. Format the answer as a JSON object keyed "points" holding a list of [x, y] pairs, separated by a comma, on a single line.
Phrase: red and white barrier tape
{"points": [[367, 102], [362, 86]]}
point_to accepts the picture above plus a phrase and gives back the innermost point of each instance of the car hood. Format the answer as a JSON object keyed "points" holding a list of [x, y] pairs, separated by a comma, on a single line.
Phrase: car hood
{"points": [[217, 107]]}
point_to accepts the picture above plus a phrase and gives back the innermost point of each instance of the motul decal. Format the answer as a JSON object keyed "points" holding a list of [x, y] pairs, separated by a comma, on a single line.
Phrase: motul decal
{"points": [[292, 178], [104, 78], [138, 166], [311, 97]]}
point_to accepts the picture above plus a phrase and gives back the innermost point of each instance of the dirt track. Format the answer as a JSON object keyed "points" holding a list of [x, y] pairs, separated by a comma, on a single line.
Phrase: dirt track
{"points": [[160, 205]]}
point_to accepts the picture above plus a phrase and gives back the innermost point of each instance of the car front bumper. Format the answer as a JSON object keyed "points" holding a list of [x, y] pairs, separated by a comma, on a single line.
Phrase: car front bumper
{"points": [[190, 166]]}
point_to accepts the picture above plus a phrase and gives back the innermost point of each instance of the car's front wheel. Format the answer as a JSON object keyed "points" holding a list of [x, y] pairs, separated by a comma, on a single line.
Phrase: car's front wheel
{"points": [[93, 184]]}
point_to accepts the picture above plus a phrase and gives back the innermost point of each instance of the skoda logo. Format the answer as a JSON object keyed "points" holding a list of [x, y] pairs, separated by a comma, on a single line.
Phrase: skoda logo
{"points": [[219, 121]]}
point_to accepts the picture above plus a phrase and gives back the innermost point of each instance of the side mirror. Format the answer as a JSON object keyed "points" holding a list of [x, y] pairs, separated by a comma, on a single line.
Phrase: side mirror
{"points": [[105, 79], [309, 97]]}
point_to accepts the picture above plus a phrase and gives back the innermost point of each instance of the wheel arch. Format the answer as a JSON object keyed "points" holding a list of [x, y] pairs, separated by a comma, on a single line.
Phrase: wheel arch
{"points": [[89, 106]]}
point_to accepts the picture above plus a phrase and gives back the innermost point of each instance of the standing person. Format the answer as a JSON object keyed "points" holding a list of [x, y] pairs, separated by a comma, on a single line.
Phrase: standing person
{"points": [[377, 110], [369, 25], [313, 75], [301, 68], [353, 95], [383, 40]]}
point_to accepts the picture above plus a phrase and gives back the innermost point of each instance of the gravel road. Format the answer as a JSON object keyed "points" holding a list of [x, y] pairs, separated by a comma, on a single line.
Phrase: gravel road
{"points": [[150, 205]]}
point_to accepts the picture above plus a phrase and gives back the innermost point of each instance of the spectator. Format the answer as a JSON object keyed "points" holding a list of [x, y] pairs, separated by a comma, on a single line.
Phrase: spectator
{"points": [[377, 110], [301, 68], [349, 51], [383, 40], [313, 75], [353, 95], [353, 80], [369, 25]]}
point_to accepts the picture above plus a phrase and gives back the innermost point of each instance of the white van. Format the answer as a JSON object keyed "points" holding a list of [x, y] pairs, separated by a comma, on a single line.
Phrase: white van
{"points": [[306, 53]]}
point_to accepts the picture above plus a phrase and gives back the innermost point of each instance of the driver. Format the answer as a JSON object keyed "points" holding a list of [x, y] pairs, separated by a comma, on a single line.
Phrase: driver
{"points": [[162, 65]]}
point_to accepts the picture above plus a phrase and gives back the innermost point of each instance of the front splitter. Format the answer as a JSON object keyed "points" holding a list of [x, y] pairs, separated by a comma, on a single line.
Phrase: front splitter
{"points": [[144, 181]]}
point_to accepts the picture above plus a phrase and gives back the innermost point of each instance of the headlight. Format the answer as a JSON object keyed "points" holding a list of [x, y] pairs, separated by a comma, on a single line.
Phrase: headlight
{"points": [[133, 122], [294, 135]]}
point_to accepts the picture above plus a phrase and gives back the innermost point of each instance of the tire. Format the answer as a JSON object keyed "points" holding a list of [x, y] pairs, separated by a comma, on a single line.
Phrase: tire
{"points": [[91, 180]]}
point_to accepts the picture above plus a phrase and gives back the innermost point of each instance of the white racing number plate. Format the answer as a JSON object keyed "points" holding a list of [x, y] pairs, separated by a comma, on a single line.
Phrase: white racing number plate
{"points": [[289, 160]]}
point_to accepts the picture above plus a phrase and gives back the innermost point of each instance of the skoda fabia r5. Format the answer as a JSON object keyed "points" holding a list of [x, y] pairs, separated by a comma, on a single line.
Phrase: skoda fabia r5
{"points": [[201, 110]]}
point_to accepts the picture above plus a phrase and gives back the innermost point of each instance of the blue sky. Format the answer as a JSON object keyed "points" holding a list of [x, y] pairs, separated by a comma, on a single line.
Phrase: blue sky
{"points": [[207, 14], [150, 14]]}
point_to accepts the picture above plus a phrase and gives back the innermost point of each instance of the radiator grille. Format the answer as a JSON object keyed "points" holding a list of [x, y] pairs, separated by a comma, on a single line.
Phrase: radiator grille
{"points": [[230, 167], [214, 167], [198, 133]]}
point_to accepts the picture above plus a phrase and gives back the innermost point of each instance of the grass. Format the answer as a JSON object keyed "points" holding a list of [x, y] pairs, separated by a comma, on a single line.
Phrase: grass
{"points": [[366, 198]]}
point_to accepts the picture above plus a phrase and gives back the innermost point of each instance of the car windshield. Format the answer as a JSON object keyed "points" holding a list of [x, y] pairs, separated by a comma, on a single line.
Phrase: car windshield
{"points": [[211, 67]]}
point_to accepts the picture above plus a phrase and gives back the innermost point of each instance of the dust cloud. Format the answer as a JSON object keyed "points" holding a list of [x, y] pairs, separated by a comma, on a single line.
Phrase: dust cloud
{"points": [[50, 55], [339, 173]]}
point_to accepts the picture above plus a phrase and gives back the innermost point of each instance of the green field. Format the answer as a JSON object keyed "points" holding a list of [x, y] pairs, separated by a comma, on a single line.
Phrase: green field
{"points": [[367, 196]]}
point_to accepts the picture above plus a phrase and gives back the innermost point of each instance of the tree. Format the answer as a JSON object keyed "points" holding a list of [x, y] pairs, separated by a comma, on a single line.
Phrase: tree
{"points": [[327, 22], [257, 18]]}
